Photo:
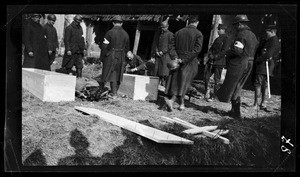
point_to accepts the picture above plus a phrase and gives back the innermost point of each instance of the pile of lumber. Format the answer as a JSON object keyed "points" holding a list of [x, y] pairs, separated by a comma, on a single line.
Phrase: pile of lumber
{"points": [[206, 131], [155, 134]]}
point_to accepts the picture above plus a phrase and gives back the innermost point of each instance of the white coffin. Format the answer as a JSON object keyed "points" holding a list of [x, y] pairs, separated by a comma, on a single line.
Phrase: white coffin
{"points": [[139, 87], [49, 86]]}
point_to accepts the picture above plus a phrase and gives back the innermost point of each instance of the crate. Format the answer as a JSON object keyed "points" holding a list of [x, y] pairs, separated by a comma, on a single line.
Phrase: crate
{"points": [[49, 86], [139, 87]]}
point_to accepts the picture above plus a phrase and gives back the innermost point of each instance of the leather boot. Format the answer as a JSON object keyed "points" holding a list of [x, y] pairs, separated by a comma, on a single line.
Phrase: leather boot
{"points": [[113, 89], [231, 112], [237, 108], [69, 70], [207, 95], [181, 107], [79, 73], [170, 102], [263, 98], [257, 93]]}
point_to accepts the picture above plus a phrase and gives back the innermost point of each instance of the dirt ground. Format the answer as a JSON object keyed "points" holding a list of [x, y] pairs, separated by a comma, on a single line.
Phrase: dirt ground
{"points": [[56, 134]]}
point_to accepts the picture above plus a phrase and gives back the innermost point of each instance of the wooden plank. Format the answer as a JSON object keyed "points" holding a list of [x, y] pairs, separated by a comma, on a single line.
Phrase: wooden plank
{"points": [[137, 38], [187, 123], [143, 130], [215, 136], [49, 86], [176, 121], [220, 131], [139, 87], [200, 130]]}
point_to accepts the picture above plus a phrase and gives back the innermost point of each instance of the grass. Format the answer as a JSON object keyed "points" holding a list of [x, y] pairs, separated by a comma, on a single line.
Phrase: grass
{"points": [[55, 134]]}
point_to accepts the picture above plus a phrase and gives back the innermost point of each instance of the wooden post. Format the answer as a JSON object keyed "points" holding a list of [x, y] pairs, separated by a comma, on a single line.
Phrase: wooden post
{"points": [[214, 33], [137, 38], [89, 38]]}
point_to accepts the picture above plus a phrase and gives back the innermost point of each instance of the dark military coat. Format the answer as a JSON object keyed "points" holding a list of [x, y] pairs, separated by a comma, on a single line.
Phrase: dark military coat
{"points": [[239, 64], [164, 42], [218, 49], [113, 53], [51, 34], [73, 38], [35, 41], [270, 49], [188, 44]]}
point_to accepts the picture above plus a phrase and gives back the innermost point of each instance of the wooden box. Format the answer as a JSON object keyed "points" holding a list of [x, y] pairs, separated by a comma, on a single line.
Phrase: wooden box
{"points": [[49, 86], [139, 87]]}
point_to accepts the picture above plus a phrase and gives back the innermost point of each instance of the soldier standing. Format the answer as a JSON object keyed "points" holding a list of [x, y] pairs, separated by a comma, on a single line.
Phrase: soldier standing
{"points": [[74, 46], [114, 48], [35, 41], [52, 40], [162, 51], [269, 52], [216, 62], [239, 65], [188, 42]]}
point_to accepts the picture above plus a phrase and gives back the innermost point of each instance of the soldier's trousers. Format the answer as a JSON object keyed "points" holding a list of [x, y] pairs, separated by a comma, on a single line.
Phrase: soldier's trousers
{"points": [[217, 71], [242, 81], [70, 60]]}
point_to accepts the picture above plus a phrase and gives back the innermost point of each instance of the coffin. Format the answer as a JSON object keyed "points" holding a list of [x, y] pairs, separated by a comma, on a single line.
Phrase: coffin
{"points": [[139, 87], [49, 86]]}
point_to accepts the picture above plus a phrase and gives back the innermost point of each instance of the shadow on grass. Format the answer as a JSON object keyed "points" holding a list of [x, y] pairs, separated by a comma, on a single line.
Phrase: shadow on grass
{"points": [[82, 155], [36, 158], [253, 143]]}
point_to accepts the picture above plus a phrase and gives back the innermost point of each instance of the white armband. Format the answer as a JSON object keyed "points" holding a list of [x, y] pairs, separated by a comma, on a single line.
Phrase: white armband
{"points": [[105, 41], [238, 44]]}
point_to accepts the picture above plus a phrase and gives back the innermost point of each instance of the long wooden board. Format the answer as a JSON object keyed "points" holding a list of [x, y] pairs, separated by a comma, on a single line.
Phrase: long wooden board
{"points": [[200, 130], [193, 129], [143, 130], [215, 136]]}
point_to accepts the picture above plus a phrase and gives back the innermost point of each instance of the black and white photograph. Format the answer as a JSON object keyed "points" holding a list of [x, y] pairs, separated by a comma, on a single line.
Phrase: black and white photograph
{"points": [[140, 87]]}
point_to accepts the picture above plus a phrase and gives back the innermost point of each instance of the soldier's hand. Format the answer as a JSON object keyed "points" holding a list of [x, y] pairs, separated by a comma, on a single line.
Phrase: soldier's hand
{"points": [[157, 53], [30, 54], [49, 52], [152, 60], [160, 53], [69, 53], [134, 69], [179, 60]]}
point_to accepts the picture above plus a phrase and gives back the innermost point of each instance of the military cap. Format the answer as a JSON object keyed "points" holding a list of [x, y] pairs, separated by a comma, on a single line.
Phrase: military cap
{"points": [[240, 18], [51, 17], [222, 26], [78, 18], [117, 18]]}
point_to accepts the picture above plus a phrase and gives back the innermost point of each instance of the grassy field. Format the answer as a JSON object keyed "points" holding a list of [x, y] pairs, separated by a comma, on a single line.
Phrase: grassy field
{"points": [[56, 134]]}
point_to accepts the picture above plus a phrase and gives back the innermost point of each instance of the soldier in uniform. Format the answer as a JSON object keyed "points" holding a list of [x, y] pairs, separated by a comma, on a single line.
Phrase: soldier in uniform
{"points": [[113, 51], [52, 40], [74, 47], [239, 65], [268, 52], [216, 62], [135, 64], [188, 42], [162, 51], [35, 41]]}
